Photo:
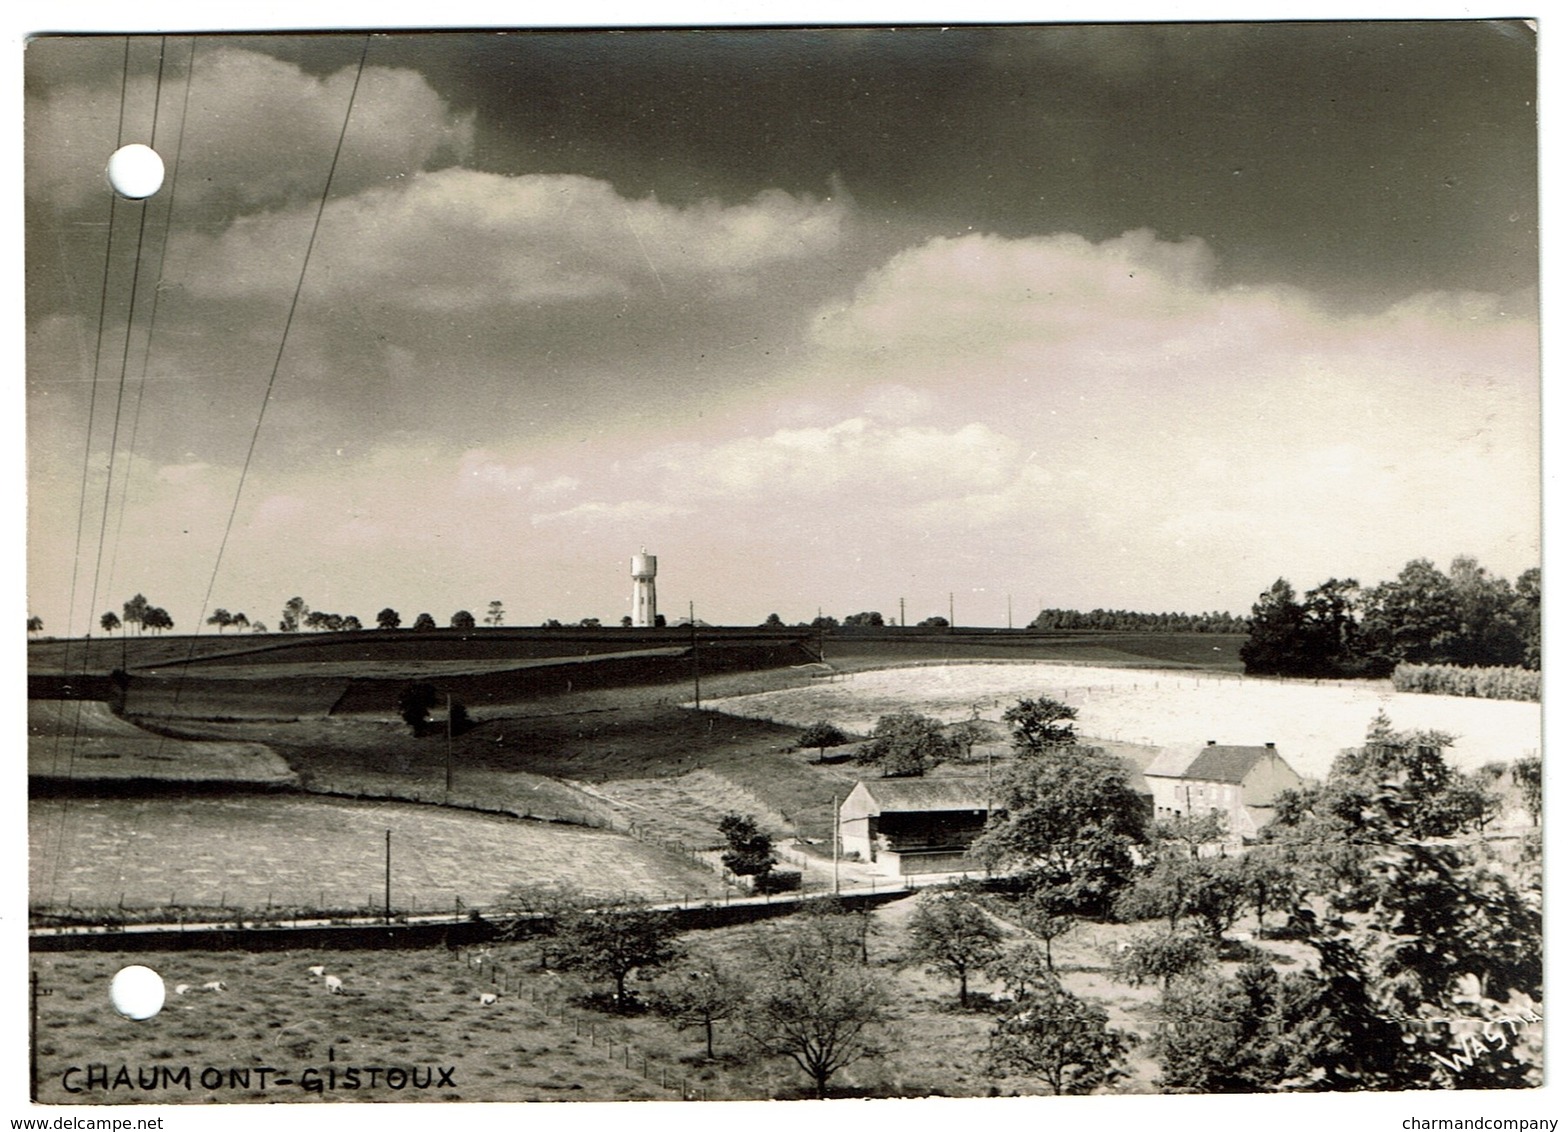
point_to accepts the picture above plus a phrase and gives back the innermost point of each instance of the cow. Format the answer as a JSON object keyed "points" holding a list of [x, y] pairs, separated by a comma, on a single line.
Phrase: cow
{"points": [[318, 971], [488, 999], [215, 985], [334, 985], [181, 988]]}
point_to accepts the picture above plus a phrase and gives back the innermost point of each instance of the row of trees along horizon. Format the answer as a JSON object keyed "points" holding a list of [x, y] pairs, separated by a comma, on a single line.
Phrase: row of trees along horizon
{"points": [[1466, 618], [1422, 928]]}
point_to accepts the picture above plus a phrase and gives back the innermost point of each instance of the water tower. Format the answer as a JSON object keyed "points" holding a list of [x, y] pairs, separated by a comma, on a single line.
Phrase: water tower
{"points": [[645, 606]]}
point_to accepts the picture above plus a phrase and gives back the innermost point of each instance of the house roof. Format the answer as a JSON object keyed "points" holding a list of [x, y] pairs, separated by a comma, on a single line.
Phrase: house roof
{"points": [[1213, 763], [914, 795]]}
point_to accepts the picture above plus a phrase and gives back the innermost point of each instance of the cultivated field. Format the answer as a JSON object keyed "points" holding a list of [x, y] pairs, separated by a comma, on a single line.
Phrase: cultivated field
{"points": [[261, 851], [84, 742], [1310, 722]]}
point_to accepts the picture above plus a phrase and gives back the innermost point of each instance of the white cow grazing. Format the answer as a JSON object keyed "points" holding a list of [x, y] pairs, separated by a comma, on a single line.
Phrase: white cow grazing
{"points": [[215, 985], [318, 971], [334, 985], [488, 999], [181, 988]]}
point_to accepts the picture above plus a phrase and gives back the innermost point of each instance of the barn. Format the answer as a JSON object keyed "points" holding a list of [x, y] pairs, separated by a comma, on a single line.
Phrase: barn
{"points": [[914, 825], [1239, 782]]}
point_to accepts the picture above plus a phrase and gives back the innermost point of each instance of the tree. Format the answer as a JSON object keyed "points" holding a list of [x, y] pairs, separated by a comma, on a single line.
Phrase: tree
{"points": [[133, 612], [239, 621], [1047, 914], [626, 621], [701, 994], [822, 735], [222, 618], [1526, 614], [423, 622], [750, 851], [1275, 643], [933, 623], [1248, 1035], [109, 622], [388, 619], [952, 933], [351, 624], [1160, 955], [294, 613], [496, 615], [1191, 831], [1068, 818], [1022, 969], [35, 624], [1271, 884], [773, 622], [462, 619], [589, 623], [613, 943], [972, 732], [1527, 776], [157, 619], [414, 705], [813, 1005], [905, 744], [1040, 723], [863, 620], [1059, 1038]]}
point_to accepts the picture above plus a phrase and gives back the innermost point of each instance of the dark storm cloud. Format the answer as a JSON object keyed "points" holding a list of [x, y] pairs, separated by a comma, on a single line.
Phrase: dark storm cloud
{"points": [[1367, 159]]}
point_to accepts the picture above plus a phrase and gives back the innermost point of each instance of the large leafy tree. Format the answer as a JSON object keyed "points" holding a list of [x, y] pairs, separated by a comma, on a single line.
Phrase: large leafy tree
{"points": [[462, 619], [906, 744], [1067, 818], [109, 621], [701, 993], [388, 619], [822, 735], [815, 1003], [1276, 633], [1059, 1038], [749, 850], [133, 611], [953, 934], [294, 613], [614, 943], [1039, 723]]}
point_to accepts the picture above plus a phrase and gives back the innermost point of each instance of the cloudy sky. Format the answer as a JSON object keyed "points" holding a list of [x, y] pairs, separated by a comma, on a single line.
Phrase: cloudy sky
{"points": [[1124, 316]]}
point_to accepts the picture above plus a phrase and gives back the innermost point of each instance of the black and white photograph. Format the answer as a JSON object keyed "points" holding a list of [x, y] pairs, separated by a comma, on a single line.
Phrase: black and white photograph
{"points": [[794, 563]]}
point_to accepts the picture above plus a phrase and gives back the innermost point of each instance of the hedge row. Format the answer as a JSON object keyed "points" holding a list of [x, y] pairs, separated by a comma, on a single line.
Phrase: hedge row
{"points": [[1482, 683]]}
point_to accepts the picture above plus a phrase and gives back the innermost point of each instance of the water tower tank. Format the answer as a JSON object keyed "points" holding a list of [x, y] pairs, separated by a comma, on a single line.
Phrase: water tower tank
{"points": [[645, 565]]}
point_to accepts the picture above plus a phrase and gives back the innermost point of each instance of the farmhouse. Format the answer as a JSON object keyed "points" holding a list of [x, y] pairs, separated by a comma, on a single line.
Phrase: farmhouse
{"points": [[914, 825], [1240, 783]]}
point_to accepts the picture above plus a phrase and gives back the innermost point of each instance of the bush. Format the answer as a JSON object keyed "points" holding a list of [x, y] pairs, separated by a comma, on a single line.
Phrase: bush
{"points": [[779, 880]]}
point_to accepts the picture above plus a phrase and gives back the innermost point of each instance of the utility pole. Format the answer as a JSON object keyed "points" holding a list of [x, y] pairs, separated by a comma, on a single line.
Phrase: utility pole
{"points": [[1009, 611], [389, 878], [951, 624], [835, 844], [696, 678], [900, 613]]}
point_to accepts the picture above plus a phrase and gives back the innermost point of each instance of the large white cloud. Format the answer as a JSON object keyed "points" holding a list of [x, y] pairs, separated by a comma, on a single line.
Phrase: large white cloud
{"points": [[458, 239], [259, 132]]}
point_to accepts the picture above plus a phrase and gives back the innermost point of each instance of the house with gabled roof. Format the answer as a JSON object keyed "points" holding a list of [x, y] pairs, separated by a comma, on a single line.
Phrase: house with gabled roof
{"points": [[914, 825], [1238, 782]]}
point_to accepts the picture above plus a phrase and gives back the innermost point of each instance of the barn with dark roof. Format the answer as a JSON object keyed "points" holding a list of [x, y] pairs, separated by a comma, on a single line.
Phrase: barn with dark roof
{"points": [[914, 825], [1241, 783]]}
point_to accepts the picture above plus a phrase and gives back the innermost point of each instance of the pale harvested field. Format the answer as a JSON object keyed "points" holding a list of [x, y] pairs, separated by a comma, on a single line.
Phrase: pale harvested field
{"points": [[1309, 722], [83, 741], [261, 850]]}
